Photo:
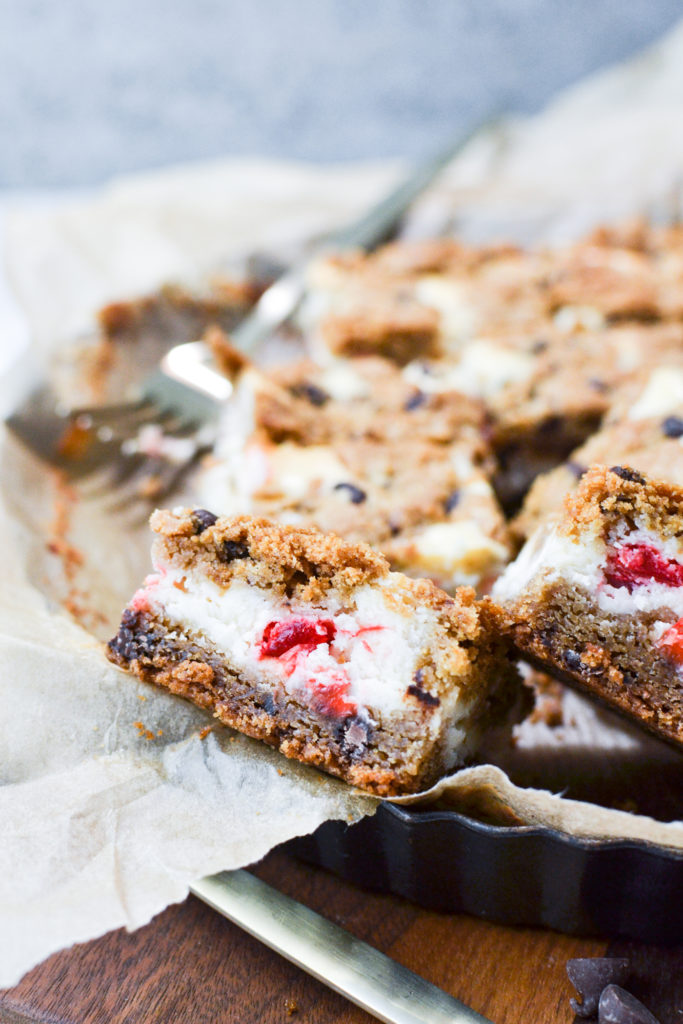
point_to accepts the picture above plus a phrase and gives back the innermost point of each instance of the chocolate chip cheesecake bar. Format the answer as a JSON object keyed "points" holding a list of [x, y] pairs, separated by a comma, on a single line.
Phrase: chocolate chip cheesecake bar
{"points": [[311, 644], [596, 596], [356, 449]]}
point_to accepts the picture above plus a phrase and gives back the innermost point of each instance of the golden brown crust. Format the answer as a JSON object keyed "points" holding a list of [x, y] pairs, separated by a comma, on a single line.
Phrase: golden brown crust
{"points": [[606, 496], [401, 332], [301, 560]]}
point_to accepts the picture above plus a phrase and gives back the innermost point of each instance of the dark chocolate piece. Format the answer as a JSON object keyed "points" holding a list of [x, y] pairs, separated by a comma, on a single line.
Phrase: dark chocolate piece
{"points": [[424, 697], [231, 550], [572, 660], [415, 401], [617, 1006], [314, 394], [590, 975], [452, 500], [673, 426], [628, 474], [353, 734], [203, 519], [356, 495]]}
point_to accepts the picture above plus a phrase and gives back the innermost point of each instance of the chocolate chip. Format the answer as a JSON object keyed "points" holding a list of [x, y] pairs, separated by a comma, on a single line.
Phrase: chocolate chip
{"points": [[415, 401], [134, 640], [203, 519], [268, 704], [572, 660], [314, 394], [353, 736], [576, 469], [451, 501], [617, 1006], [590, 975], [356, 495], [597, 385], [428, 699], [539, 346], [628, 474], [231, 550], [419, 676], [672, 426]]}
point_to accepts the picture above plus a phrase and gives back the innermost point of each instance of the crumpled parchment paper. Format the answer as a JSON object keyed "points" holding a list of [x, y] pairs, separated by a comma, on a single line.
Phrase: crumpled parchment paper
{"points": [[114, 796]]}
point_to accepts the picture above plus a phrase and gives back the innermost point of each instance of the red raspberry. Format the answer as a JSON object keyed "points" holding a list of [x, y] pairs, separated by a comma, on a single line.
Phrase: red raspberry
{"points": [[634, 565], [280, 637], [672, 641]]}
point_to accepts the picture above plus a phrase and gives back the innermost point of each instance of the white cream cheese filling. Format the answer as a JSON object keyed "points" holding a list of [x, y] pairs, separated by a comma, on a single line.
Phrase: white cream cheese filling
{"points": [[374, 649], [557, 556]]}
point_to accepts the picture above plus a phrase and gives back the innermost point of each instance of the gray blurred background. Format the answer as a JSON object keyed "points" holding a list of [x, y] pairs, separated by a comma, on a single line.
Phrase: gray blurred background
{"points": [[91, 88]]}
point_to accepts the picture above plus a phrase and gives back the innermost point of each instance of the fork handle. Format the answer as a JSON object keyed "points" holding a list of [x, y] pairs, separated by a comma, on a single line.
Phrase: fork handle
{"points": [[373, 981]]}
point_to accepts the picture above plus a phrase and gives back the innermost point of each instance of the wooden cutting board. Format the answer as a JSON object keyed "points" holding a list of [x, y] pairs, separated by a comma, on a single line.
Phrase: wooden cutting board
{"points": [[191, 966]]}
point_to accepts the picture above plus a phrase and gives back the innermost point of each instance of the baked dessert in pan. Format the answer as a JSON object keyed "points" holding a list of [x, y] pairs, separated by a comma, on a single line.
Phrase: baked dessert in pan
{"points": [[438, 373]]}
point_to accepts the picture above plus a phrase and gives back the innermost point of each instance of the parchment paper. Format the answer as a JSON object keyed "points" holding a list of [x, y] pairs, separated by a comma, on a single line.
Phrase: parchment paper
{"points": [[114, 796]]}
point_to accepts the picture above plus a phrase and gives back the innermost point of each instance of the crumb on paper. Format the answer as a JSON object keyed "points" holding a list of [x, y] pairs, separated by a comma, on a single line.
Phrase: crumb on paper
{"points": [[77, 602], [144, 732], [203, 733]]}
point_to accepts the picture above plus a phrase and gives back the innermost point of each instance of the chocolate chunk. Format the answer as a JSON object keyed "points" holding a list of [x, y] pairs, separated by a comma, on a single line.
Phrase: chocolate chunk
{"points": [[231, 550], [314, 394], [356, 495], [672, 426], [628, 474], [576, 469], [424, 697], [268, 704], [203, 519], [539, 346], [590, 975], [134, 640], [572, 660], [617, 1006], [415, 401], [452, 500], [353, 735]]}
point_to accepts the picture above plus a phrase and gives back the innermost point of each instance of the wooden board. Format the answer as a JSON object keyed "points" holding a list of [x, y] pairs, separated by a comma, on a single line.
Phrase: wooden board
{"points": [[191, 966]]}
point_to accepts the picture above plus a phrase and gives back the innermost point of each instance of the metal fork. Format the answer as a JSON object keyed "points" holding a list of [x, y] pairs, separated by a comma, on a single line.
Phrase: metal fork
{"points": [[158, 437]]}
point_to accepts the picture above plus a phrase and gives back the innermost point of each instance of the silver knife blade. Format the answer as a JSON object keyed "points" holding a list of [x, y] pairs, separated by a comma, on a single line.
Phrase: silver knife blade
{"points": [[362, 974]]}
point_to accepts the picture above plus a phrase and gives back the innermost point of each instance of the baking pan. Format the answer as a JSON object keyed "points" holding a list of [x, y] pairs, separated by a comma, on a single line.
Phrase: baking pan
{"points": [[520, 875]]}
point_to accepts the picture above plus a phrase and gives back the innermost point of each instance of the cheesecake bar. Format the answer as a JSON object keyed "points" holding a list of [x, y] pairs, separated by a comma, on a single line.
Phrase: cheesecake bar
{"points": [[356, 449], [596, 596], [313, 645]]}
